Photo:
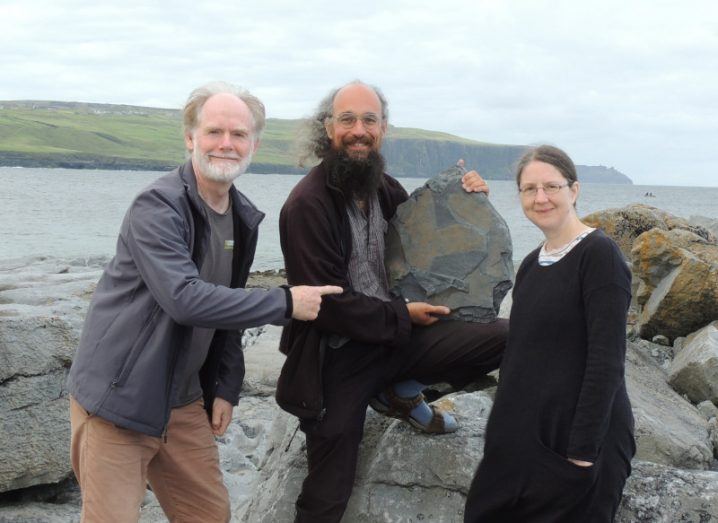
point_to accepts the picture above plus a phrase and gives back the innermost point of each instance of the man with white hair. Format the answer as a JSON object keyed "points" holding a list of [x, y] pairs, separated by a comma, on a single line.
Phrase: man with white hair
{"points": [[159, 365]]}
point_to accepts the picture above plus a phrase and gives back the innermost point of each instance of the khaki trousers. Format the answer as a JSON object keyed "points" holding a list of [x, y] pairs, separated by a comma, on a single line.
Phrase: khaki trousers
{"points": [[113, 466]]}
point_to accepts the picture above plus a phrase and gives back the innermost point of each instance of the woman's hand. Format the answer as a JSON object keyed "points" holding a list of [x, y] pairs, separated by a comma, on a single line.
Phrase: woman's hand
{"points": [[580, 463]]}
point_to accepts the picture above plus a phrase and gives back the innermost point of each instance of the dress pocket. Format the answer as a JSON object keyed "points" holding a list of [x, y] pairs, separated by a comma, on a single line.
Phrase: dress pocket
{"points": [[555, 477], [557, 490]]}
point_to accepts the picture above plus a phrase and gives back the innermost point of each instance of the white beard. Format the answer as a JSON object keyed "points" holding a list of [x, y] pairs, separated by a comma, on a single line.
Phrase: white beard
{"points": [[220, 171]]}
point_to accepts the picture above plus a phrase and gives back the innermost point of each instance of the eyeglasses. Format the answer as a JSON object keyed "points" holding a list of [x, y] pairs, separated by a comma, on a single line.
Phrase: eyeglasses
{"points": [[530, 190], [349, 120]]}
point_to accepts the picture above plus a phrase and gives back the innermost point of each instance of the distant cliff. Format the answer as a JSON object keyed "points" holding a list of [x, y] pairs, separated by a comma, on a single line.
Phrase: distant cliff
{"points": [[77, 135]]}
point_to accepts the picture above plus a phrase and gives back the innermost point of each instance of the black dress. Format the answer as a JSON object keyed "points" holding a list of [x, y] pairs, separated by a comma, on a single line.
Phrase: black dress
{"points": [[561, 393]]}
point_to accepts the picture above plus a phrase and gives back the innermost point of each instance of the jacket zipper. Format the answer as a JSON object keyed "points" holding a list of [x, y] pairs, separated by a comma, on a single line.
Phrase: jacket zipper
{"points": [[322, 350], [168, 393], [109, 389]]}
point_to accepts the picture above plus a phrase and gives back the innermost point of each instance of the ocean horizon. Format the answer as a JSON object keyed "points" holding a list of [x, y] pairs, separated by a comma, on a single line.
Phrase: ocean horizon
{"points": [[76, 213]]}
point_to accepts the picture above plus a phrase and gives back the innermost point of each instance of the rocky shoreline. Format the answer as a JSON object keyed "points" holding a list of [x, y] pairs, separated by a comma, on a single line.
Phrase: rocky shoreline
{"points": [[672, 379]]}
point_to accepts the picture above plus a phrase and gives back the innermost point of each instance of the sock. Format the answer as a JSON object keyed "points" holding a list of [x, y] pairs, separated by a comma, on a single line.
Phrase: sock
{"points": [[422, 412]]}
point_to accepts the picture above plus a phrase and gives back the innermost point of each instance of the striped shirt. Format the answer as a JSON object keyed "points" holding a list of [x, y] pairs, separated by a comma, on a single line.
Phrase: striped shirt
{"points": [[547, 258], [367, 273]]}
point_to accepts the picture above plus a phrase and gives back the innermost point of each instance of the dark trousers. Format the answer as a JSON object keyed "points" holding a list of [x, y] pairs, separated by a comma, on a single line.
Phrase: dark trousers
{"points": [[448, 351]]}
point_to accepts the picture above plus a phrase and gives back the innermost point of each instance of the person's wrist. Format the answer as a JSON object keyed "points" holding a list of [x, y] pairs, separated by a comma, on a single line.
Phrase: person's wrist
{"points": [[290, 302]]}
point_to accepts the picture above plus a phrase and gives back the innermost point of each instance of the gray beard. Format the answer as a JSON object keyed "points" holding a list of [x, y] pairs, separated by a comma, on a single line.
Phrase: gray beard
{"points": [[226, 172]]}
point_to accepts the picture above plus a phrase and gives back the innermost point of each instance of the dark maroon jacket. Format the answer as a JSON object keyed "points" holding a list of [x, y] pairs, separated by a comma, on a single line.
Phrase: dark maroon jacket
{"points": [[316, 242]]}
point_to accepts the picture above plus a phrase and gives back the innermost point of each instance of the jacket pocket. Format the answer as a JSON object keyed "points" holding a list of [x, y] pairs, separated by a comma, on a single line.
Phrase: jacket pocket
{"points": [[137, 347], [299, 387]]}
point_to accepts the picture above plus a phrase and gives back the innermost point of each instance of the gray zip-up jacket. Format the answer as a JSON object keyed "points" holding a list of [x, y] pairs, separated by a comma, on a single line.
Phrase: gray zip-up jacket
{"points": [[139, 323]]}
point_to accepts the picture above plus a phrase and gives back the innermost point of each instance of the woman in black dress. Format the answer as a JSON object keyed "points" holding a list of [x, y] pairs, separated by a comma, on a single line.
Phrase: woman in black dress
{"points": [[559, 440]]}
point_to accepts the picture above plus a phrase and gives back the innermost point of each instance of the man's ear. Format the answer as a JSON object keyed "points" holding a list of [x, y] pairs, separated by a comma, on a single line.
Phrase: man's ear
{"points": [[188, 141], [256, 145], [328, 127]]}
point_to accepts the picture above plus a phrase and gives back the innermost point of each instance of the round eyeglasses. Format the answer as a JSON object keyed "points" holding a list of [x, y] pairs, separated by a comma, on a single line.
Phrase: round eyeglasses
{"points": [[349, 120]]}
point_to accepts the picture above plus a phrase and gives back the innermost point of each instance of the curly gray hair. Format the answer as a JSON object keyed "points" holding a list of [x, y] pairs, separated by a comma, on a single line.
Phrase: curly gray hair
{"points": [[313, 142]]}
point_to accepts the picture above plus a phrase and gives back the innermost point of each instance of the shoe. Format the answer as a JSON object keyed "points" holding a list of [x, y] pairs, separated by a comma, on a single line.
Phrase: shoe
{"points": [[394, 406]]}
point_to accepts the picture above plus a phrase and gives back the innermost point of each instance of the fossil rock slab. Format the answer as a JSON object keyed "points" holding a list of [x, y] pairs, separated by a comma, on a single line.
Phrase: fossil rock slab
{"points": [[449, 247]]}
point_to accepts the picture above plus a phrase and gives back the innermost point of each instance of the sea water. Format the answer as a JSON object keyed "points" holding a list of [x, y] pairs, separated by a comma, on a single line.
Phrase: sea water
{"points": [[72, 213]]}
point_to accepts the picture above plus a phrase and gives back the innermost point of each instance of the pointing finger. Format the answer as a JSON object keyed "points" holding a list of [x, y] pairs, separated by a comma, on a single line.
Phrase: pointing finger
{"points": [[329, 289]]}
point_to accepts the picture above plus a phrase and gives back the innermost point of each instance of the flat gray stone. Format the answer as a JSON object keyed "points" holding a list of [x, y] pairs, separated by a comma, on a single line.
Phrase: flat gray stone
{"points": [[660, 494], [694, 371], [707, 409], [449, 247], [669, 430], [402, 475]]}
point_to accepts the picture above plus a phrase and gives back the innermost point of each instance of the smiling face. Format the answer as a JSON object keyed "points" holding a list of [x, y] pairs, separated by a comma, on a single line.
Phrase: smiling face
{"points": [[356, 125], [222, 143], [549, 212]]}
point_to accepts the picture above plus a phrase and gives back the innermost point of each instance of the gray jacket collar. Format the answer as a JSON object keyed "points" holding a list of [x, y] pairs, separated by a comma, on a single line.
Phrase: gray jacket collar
{"points": [[241, 205]]}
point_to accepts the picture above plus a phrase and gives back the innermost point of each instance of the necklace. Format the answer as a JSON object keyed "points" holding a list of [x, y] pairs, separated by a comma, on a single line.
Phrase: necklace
{"points": [[567, 246]]}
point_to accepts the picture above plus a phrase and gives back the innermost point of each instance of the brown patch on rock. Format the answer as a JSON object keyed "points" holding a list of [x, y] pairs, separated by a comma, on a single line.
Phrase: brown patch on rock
{"points": [[678, 282], [626, 224]]}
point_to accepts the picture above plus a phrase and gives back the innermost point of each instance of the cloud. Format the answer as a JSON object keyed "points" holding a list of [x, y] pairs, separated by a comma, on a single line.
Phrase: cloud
{"points": [[630, 85]]}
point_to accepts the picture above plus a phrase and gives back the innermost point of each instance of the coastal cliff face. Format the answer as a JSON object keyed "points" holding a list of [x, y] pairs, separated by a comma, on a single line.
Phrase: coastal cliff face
{"points": [[415, 158], [77, 135]]}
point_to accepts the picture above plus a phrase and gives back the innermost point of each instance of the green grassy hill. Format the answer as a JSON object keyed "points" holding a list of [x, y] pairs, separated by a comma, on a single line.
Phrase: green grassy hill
{"points": [[104, 136]]}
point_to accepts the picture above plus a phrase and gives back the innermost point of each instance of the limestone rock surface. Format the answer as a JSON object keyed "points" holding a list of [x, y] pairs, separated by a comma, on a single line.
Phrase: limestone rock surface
{"points": [[660, 494], [402, 475], [42, 306], [624, 225], [677, 272], [694, 371], [449, 247], [406, 476], [43, 302], [669, 430], [710, 224], [707, 409]]}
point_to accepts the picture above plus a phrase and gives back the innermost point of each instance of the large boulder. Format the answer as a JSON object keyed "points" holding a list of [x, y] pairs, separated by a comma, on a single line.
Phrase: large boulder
{"points": [[710, 224], [449, 247], [262, 360], [626, 224], [402, 475], [42, 305], [669, 429], [713, 428], [678, 289], [406, 476], [694, 371], [660, 494], [35, 353]]}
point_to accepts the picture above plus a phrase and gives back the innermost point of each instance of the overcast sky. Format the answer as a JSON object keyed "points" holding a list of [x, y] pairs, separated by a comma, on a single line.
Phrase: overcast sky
{"points": [[633, 85]]}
